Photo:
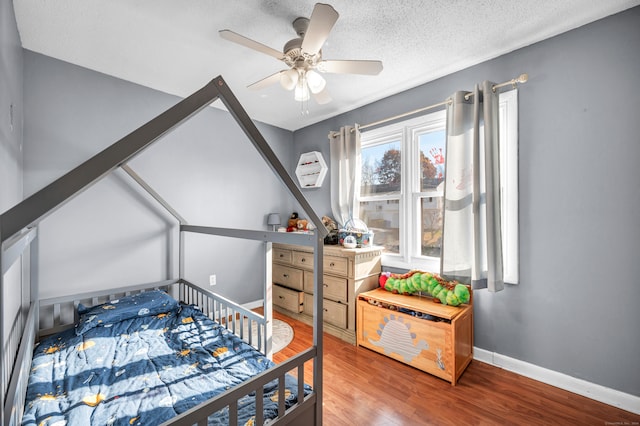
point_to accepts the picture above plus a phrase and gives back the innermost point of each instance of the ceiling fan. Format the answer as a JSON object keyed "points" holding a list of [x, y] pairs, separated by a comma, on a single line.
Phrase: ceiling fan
{"points": [[303, 55]]}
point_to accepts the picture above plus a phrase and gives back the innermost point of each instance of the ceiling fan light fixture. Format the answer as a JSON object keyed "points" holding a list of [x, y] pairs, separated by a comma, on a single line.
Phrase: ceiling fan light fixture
{"points": [[315, 81], [289, 79], [301, 93]]}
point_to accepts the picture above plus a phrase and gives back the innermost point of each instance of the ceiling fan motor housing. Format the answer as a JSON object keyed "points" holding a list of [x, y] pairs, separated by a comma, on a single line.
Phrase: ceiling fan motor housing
{"points": [[293, 54], [300, 26], [295, 57]]}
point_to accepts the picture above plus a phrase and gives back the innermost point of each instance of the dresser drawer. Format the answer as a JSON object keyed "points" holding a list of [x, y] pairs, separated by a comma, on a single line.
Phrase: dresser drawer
{"points": [[288, 299], [334, 313], [336, 265], [303, 259], [282, 255], [288, 276], [335, 288]]}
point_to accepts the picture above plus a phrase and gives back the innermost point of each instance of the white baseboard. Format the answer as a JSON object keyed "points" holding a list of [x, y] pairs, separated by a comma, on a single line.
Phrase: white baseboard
{"points": [[596, 392], [253, 305]]}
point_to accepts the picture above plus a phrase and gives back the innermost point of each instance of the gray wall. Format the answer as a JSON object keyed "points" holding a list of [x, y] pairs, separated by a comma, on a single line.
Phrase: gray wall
{"points": [[113, 234], [11, 97], [576, 308]]}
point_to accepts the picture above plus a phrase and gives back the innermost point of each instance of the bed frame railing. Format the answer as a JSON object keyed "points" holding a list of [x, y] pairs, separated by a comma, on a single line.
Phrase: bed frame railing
{"points": [[199, 415], [232, 316], [60, 313], [17, 387]]}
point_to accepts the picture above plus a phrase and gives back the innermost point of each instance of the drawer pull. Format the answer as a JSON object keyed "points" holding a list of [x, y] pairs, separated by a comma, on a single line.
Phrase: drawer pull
{"points": [[281, 255], [281, 297], [325, 285], [285, 275], [332, 264], [303, 260]]}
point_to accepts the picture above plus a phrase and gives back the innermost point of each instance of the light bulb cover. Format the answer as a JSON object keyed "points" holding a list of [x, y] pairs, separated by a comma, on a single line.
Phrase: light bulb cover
{"points": [[289, 79], [316, 82]]}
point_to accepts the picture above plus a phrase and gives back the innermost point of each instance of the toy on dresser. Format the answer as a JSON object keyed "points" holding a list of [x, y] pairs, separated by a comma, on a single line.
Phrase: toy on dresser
{"points": [[332, 227], [296, 224]]}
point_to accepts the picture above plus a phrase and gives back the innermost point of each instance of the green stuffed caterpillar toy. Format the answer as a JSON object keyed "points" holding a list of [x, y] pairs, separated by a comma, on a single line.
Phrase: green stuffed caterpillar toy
{"points": [[446, 292]]}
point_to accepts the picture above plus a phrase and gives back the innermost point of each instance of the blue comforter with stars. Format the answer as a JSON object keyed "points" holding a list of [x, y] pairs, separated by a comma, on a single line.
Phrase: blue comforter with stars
{"points": [[143, 371]]}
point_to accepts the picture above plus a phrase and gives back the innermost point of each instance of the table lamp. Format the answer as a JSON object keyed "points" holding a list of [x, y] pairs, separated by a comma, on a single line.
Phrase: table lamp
{"points": [[273, 220]]}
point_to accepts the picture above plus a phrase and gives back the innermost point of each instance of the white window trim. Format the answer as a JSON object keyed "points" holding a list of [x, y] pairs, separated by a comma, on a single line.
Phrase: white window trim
{"points": [[432, 122]]}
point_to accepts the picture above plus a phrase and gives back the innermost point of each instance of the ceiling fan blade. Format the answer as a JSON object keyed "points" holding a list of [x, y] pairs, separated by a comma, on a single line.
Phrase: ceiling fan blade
{"points": [[351, 67], [265, 82], [322, 97], [251, 44], [322, 20]]}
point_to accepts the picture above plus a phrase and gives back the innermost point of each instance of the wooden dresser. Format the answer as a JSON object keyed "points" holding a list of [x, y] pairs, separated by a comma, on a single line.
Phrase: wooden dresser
{"points": [[347, 273]]}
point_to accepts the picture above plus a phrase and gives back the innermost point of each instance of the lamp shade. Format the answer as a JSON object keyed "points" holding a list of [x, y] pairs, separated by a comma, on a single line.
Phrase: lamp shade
{"points": [[273, 219], [315, 81], [289, 79]]}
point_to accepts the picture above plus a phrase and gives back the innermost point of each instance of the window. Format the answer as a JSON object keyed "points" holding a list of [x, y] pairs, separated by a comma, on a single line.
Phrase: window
{"points": [[401, 192], [402, 188]]}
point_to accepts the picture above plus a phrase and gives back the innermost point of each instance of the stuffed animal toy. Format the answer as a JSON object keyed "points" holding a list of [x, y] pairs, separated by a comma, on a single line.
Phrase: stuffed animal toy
{"points": [[292, 223], [443, 291], [302, 224], [329, 223]]}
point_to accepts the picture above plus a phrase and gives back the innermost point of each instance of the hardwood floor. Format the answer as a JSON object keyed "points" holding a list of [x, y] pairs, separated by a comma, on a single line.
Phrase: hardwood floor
{"points": [[362, 387]]}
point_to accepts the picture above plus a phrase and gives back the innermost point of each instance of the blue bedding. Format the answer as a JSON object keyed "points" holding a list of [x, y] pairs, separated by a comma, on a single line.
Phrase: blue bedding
{"points": [[143, 370]]}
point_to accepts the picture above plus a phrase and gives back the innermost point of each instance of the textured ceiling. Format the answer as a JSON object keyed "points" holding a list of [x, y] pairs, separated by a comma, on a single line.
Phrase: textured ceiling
{"points": [[173, 46]]}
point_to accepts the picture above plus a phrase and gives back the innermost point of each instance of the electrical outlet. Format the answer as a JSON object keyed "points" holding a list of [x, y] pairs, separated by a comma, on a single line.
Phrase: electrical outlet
{"points": [[212, 279]]}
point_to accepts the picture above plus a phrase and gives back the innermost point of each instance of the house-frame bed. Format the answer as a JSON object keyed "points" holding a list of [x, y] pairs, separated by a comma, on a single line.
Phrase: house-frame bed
{"points": [[37, 318]]}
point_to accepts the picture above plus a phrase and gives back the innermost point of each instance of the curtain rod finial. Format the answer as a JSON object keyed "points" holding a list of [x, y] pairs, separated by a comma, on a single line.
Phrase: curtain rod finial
{"points": [[523, 78]]}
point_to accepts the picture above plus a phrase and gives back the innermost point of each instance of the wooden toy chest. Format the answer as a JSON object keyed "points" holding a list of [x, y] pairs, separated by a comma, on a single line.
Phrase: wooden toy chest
{"points": [[442, 346]]}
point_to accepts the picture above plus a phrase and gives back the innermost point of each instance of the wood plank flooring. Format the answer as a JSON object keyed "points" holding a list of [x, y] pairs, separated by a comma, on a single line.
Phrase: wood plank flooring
{"points": [[362, 387]]}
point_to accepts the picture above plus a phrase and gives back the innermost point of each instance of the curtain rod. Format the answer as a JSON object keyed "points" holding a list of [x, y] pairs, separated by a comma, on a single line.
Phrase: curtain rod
{"points": [[522, 78]]}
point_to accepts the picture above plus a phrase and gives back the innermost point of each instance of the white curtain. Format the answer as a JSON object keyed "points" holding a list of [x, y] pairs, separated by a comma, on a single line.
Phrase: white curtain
{"points": [[472, 240], [345, 173]]}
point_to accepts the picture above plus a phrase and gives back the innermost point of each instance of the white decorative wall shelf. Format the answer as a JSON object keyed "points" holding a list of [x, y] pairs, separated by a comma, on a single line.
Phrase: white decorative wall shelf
{"points": [[311, 170]]}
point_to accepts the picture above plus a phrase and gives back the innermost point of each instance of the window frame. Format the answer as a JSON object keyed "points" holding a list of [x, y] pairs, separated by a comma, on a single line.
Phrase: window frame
{"points": [[408, 131]]}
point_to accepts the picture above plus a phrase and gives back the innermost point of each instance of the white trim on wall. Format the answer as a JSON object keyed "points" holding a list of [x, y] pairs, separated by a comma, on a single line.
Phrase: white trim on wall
{"points": [[587, 389], [253, 305]]}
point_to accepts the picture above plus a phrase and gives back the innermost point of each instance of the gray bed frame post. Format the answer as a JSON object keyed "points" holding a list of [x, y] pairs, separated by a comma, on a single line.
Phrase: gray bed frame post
{"points": [[318, 288], [3, 373], [267, 295], [171, 273], [236, 110]]}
